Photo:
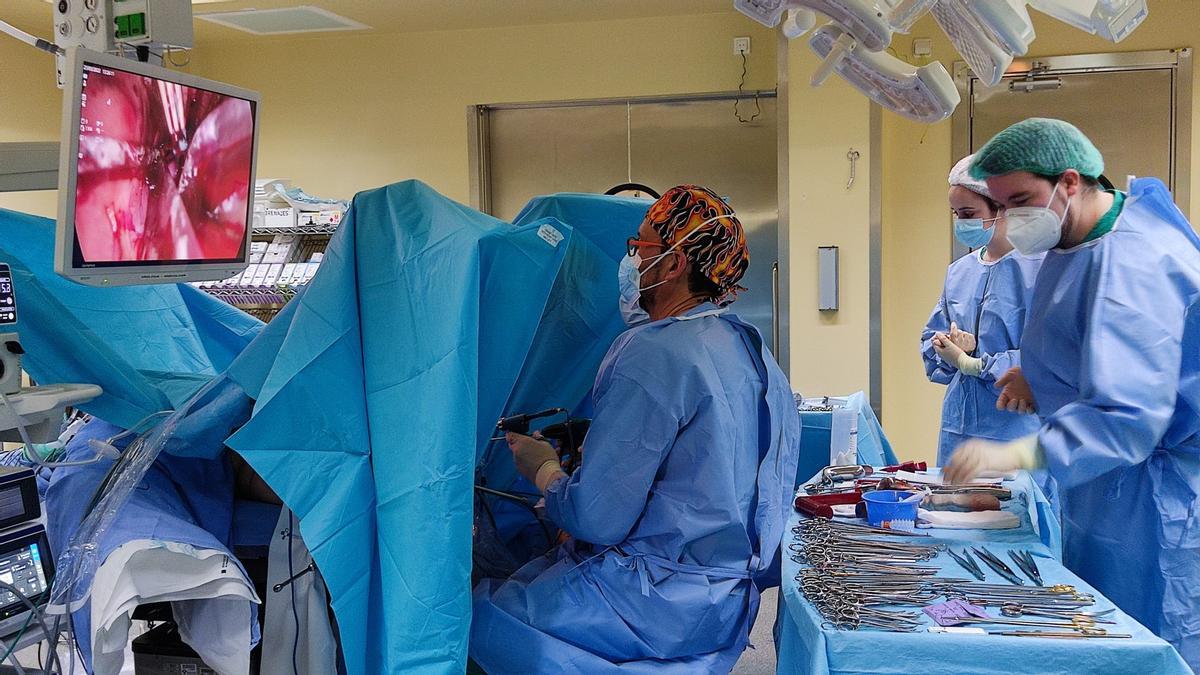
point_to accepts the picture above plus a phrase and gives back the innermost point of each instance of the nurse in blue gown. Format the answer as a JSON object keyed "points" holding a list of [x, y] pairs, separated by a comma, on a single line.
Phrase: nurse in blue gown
{"points": [[1111, 355], [973, 336], [677, 512]]}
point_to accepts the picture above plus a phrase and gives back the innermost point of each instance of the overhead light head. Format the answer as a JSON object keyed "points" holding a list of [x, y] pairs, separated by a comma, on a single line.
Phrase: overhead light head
{"points": [[987, 59], [923, 94], [1005, 20], [862, 19], [766, 12], [799, 22], [1112, 20]]}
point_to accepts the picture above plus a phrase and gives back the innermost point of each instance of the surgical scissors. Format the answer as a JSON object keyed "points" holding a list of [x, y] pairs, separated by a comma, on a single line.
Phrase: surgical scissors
{"points": [[1015, 611]]}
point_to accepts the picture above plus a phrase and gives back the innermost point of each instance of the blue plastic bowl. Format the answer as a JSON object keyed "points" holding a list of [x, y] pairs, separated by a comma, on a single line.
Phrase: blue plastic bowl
{"points": [[884, 509]]}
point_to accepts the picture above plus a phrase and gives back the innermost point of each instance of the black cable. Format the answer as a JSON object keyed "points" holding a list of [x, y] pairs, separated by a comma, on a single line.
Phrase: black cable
{"points": [[295, 613], [512, 497], [741, 90], [37, 612]]}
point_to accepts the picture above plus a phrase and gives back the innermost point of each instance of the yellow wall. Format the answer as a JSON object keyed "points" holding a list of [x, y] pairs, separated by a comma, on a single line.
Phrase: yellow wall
{"points": [[829, 350], [30, 110], [346, 113], [916, 236]]}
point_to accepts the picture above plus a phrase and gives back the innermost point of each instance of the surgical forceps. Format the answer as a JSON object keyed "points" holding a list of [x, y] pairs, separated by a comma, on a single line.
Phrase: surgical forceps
{"points": [[1024, 560], [998, 565], [968, 563]]}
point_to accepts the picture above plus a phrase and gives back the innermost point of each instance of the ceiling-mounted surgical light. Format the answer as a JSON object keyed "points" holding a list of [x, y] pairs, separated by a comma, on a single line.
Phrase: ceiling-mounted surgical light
{"points": [[1112, 20], [865, 20], [902, 14], [1005, 20], [766, 12], [923, 94], [799, 22], [987, 59]]}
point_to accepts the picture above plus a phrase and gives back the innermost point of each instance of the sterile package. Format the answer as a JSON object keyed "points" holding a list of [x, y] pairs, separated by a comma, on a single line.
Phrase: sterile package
{"points": [[974, 520], [258, 249], [275, 219]]}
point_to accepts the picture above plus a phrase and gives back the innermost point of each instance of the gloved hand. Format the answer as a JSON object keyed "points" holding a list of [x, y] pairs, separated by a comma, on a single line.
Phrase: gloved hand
{"points": [[1015, 393], [952, 353], [978, 456], [531, 454], [962, 338]]}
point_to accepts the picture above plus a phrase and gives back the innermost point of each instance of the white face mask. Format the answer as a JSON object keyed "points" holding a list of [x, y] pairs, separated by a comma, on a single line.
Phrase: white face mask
{"points": [[1036, 229], [629, 279]]}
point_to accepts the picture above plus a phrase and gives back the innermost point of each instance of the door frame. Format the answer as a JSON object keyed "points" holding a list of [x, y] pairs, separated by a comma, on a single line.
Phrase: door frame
{"points": [[479, 171], [1035, 68]]}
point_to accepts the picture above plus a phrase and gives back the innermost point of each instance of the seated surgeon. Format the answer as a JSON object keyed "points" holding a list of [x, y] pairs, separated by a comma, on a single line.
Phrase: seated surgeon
{"points": [[677, 511]]}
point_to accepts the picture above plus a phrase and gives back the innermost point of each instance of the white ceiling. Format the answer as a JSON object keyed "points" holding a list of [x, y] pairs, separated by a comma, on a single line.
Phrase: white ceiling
{"points": [[390, 16]]}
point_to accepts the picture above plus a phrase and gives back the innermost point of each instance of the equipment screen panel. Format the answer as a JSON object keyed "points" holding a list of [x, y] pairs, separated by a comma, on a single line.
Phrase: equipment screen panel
{"points": [[164, 171]]}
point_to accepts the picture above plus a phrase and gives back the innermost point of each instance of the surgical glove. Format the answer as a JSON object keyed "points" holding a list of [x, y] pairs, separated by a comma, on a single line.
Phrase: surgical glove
{"points": [[952, 353], [969, 365], [962, 338], [978, 456], [1015, 393], [530, 455]]}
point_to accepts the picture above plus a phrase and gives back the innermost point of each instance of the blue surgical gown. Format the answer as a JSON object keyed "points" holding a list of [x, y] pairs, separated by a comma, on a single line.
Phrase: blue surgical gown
{"points": [[990, 300], [1112, 352], [681, 499]]}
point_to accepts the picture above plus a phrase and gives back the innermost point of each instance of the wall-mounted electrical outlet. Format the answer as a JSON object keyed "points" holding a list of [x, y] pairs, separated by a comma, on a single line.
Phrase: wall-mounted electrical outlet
{"points": [[741, 45]]}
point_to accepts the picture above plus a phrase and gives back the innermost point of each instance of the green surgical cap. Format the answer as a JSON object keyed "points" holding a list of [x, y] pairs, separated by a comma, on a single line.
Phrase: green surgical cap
{"points": [[1038, 145]]}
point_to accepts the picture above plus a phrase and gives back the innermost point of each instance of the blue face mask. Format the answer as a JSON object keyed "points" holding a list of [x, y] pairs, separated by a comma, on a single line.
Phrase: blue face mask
{"points": [[970, 232], [629, 280]]}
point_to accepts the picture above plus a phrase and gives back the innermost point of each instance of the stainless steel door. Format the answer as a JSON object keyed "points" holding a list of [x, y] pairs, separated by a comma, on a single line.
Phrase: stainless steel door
{"points": [[590, 147], [1127, 114]]}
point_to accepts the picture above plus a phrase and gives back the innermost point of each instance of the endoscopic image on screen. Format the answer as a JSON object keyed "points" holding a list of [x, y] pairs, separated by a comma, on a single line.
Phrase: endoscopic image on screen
{"points": [[163, 172]]}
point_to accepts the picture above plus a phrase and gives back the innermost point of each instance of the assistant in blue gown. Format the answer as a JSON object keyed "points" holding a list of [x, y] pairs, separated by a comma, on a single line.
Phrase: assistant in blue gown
{"points": [[1112, 353], [682, 498], [988, 299], [986, 294]]}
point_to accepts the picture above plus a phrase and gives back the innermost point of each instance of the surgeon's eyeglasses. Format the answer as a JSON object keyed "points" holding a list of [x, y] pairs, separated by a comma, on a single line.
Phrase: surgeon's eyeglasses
{"points": [[633, 244]]}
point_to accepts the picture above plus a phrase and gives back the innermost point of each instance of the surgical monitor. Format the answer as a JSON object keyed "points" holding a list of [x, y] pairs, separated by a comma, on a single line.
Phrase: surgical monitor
{"points": [[156, 175]]}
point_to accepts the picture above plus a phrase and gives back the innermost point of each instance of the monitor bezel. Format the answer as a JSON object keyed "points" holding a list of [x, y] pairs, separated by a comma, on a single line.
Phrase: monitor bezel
{"points": [[65, 236]]}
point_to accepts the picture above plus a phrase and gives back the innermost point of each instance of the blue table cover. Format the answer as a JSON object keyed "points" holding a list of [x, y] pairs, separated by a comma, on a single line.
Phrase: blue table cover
{"points": [[805, 646]]}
